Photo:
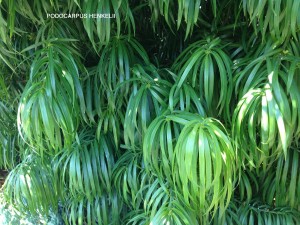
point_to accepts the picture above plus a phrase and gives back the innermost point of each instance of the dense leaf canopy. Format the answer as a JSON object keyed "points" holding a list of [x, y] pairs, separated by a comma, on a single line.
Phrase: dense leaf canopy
{"points": [[151, 112]]}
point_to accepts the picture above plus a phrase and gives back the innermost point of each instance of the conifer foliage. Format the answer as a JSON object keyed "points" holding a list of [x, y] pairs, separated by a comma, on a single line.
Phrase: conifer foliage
{"points": [[151, 112]]}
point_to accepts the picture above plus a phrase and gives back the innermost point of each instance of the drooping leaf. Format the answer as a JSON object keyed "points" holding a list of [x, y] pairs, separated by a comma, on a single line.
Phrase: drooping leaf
{"points": [[203, 165], [52, 100], [206, 67], [30, 187]]}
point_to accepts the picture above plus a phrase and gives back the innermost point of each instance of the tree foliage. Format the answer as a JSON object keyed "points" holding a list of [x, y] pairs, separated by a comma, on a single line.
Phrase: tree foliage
{"points": [[170, 112]]}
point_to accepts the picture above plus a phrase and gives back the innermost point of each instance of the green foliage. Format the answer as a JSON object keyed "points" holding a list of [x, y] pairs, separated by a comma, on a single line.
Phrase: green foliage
{"points": [[282, 185], [147, 101], [279, 18], [171, 112], [30, 187], [104, 29], [269, 104], [8, 137], [43, 120], [9, 215], [103, 209], [86, 168], [204, 165], [207, 68]]}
